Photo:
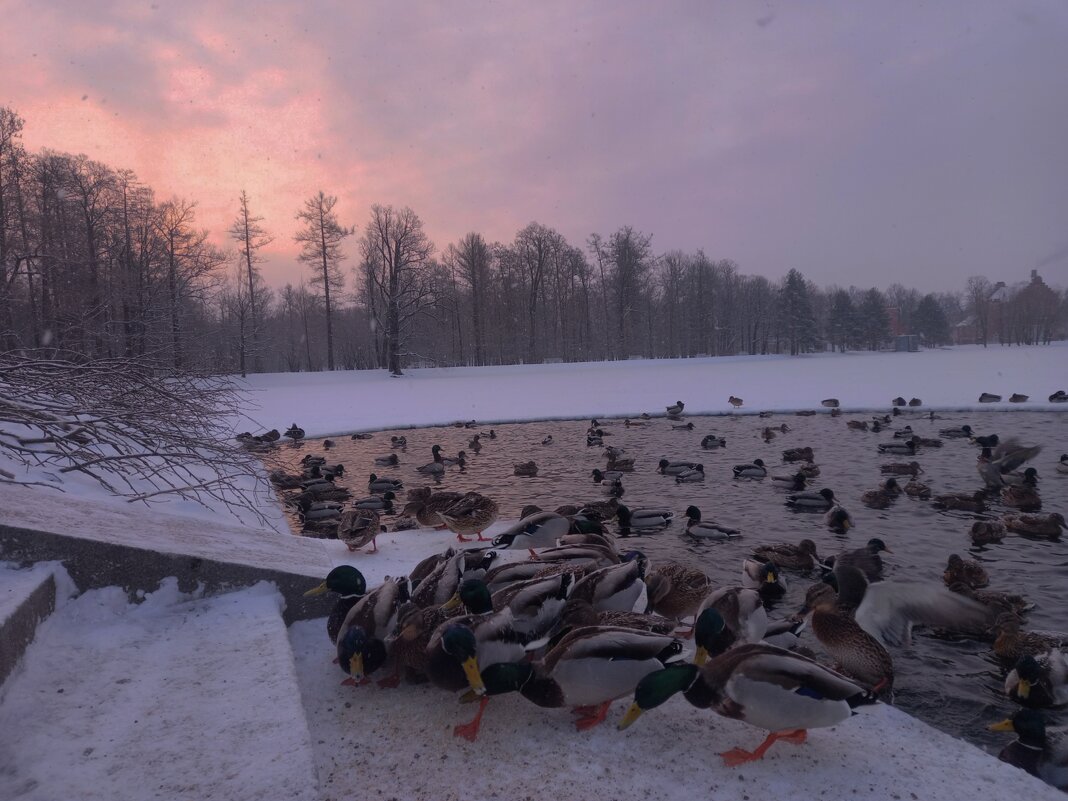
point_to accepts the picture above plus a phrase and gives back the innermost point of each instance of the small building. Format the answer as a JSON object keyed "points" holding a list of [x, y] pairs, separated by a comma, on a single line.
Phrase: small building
{"points": [[908, 343]]}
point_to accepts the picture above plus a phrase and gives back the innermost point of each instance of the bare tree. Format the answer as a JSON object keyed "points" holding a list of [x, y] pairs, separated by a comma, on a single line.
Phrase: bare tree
{"points": [[396, 246], [250, 237], [470, 260], [320, 242]]}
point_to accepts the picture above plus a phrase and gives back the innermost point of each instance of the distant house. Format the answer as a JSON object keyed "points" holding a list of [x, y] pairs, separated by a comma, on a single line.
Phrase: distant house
{"points": [[1023, 313]]}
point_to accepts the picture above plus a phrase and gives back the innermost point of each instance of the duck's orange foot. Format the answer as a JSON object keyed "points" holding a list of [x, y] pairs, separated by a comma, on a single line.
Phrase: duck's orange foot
{"points": [[351, 682], [469, 731], [461, 538], [390, 682], [481, 538], [595, 719], [739, 756]]}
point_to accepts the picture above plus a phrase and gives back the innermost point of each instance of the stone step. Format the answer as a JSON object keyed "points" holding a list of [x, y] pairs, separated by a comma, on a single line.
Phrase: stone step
{"points": [[26, 598], [169, 698]]}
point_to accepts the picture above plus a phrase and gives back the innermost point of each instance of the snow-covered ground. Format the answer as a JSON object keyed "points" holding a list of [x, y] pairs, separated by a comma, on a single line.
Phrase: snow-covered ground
{"points": [[944, 378]]}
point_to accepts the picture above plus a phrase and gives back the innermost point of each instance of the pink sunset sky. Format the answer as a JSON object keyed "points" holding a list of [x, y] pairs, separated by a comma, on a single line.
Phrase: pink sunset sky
{"points": [[862, 143]]}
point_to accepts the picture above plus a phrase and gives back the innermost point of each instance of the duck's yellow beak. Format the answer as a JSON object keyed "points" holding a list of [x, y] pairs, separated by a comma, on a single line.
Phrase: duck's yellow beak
{"points": [[356, 667], [1005, 725], [633, 713], [701, 656], [846, 525], [451, 604], [316, 590], [474, 677], [1023, 689], [771, 578]]}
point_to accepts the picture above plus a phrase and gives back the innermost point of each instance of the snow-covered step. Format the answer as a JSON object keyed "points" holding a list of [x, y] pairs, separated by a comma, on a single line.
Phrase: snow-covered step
{"points": [[169, 698], [26, 598]]}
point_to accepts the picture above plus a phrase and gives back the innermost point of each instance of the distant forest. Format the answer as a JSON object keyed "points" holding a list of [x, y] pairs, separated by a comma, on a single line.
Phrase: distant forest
{"points": [[93, 265]]}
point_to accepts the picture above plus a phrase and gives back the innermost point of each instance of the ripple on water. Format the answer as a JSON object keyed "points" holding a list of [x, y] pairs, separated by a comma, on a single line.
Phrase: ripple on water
{"points": [[953, 685]]}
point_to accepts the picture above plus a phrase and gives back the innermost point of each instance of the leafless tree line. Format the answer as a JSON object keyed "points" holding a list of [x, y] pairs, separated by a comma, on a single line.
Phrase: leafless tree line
{"points": [[91, 262]]}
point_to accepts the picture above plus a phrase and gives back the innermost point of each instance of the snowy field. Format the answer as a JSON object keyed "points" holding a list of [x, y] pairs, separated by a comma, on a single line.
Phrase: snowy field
{"points": [[370, 742], [945, 378]]}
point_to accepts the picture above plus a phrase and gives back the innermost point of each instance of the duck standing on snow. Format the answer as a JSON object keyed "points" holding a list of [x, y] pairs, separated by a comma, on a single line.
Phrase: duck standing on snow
{"points": [[472, 514], [676, 409], [350, 586], [539, 530], [295, 433], [735, 402]]}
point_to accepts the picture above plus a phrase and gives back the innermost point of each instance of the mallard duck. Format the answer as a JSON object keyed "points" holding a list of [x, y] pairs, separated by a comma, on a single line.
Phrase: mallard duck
{"points": [[989, 397], [472, 513], [999, 603], [1041, 751], [317, 511], [432, 469], [359, 527], [576, 556], [994, 467], [643, 517], [675, 409], [526, 468], [821, 500], [361, 435], [425, 504], [1062, 464], [616, 587], [295, 433], [1017, 397], [905, 447], [901, 469], [621, 465], [535, 604], [437, 577], [1013, 642], [917, 489], [328, 444], [361, 638], [743, 613], [634, 423], [606, 475], [767, 687], [1023, 497], [707, 529], [683, 427], [676, 590], [898, 401], [793, 557], [697, 474], [459, 460], [865, 559], [735, 402], [767, 434], [882, 497], [376, 484], [1060, 396], [975, 502], [711, 442], [856, 651], [914, 402], [927, 442], [857, 425], [390, 459], [990, 441], [1028, 478], [283, 480], [475, 443], [904, 433], [669, 468], [798, 455], [579, 613], [398, 442], [379, 503], [764, 577], [830, 403], [986, 532], [350, 585], [756, 469], [1049, 525], [1039, 682], [960, 432], [791, 483], [587, 670], [540, 530], [965, 571]]}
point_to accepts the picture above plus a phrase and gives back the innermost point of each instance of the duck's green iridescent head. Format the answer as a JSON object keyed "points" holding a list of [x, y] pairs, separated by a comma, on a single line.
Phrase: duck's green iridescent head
{"points": [[459, 642], [711, 635], [506, 677], [475, 596], [1029, 724], [656, 688], [345, 580]]}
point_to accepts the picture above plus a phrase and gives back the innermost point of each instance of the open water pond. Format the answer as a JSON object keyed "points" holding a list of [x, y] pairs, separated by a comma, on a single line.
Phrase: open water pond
{"points": [[953, 685]]}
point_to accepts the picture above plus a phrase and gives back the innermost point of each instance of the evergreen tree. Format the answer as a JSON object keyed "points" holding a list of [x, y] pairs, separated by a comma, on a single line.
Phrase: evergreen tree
{"points": [[842, 321], [796, 315], [931, 322], [874, 325]]}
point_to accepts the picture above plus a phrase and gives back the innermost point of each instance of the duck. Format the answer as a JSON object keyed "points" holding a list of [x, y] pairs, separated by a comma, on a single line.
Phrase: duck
{"points": [[586, 670], [866, 559], [697, 474], [361, 638], [898, 401], [1062, 464], [767, 434], [425, 504], [961, 432], [837, 518], [765, 686], [743, 613], [1048, 525], [579, 613], [998, 603], [1013, 642], [622, 465], [1037, 749], [995, 466], [350, 585], [735, 401], [675, 409], [988, 441], [643, 517], [359, 527], [361, 435], [398, 442], [965, 571], [989, 397], [1039, 682], [976, 502], [801, 556], [376, 484], [821, 500], [809, 470], [711, 442], [830, 403], [379, 503], [627, 422], [475, 443], [1017, 397], [858, 653], [905, 447], [797, 455], [1028, 478], [472, 513], [901, 469], [317, 511], [547, 439], [1023, 497], [882, 497], [755, 469], [987, 532], [914, 402], [606, 475], [707, 529], [669, 468], [764, 577], [295, 433], [857, 425], [917, 489], [437, 578], [432, 469], [903, 433], [328, 444], [683, 427], [616, 587], [1060, 396], [540, 530], [676, 590], [390, 460], [525, 468], [792, 483]]}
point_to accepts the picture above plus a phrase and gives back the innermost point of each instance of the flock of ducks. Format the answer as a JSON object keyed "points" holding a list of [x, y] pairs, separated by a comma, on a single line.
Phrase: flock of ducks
{"points": [[560, 628]]}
